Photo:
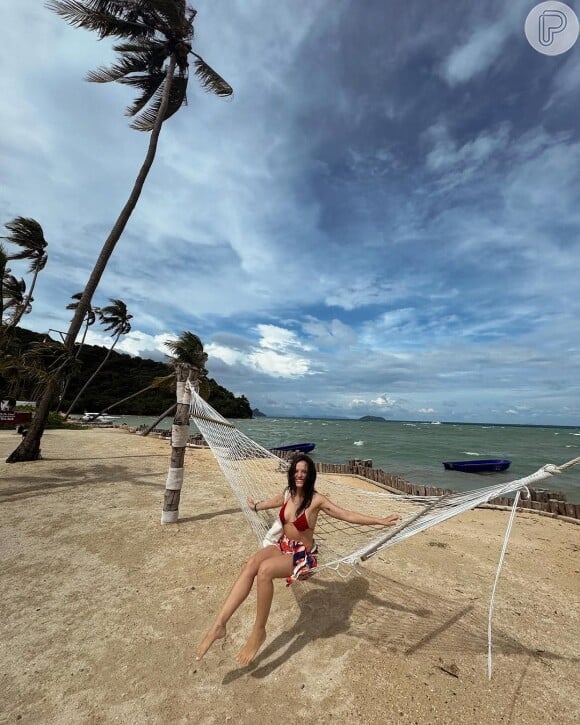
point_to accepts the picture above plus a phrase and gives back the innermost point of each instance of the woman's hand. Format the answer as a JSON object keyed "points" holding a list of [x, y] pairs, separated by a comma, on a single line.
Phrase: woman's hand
{"points": [[390, 520], [251, 503]]}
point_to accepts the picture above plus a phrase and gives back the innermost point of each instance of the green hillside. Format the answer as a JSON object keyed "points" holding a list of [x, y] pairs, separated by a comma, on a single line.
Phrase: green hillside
{"points": [[121, 376]]}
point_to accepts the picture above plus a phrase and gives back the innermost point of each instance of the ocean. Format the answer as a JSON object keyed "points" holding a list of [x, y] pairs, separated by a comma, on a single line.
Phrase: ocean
{"points": [[415, 451]]}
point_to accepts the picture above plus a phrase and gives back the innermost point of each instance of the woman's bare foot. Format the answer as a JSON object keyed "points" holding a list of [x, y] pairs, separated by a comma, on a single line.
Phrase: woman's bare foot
{"points": [[218, 631], [255, 641]]}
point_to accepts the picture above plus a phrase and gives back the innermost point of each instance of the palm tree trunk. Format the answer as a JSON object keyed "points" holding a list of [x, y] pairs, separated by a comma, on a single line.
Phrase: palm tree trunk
{"points": [[18, 316], [161, 417], [3, 262], [179, 435], [129, 397], [78, 352], [32, 440], [93, 376], [29, 448]]}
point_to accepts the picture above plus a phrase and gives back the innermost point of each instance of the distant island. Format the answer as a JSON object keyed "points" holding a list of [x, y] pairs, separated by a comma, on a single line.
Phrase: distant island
{"points": [[373, 418], [256, 413]]}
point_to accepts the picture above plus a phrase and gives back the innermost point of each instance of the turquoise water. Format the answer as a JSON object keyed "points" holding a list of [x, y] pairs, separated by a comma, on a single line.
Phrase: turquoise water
{"points": [[415, 451]]}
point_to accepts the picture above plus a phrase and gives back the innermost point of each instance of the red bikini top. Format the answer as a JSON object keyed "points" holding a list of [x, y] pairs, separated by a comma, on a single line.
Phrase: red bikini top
{"points": [[301, 522]]}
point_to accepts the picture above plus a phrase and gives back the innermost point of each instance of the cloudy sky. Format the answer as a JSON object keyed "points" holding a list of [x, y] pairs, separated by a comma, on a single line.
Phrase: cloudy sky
{"points": [[384, 219]]}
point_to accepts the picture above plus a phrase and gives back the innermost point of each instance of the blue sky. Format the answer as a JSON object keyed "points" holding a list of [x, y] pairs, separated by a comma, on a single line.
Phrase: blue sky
{"points": [[384, 219]]}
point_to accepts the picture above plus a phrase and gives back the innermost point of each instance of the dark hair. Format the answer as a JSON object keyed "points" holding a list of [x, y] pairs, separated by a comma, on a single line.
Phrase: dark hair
{"points": [[309, 481]]}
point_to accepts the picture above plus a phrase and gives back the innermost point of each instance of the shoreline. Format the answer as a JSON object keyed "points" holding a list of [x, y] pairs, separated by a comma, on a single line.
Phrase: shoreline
{"points": [[102, 607]]}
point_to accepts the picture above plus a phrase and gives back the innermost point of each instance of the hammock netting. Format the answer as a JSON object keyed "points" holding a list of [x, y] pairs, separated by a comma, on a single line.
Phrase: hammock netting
{"points": [[256, 473]]}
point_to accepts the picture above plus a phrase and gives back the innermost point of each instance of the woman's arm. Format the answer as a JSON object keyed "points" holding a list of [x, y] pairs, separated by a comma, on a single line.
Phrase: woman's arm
{"points": [[268, 503], [353, 517]]}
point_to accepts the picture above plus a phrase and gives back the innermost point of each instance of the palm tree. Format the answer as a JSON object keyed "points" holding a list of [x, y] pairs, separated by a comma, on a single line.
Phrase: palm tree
{"points": [[3, 262], [115, 318], [39, 363], [13, 295], [90, 319], [159, 382], [28, 235], [188, 361], [154, 56]]}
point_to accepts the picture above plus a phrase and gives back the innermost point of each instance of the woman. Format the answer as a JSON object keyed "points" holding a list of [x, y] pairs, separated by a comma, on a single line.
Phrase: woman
{"points": [[292, 558]]}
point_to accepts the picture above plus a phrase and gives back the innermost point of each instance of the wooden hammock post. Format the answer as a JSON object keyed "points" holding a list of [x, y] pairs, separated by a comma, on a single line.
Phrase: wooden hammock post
{"points": [[179, 436]]}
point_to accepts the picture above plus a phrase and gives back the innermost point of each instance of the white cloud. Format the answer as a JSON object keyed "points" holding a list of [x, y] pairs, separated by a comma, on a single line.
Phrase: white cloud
{"points": [[445, 153], [381, 220], [225, 354], [279, 365], [475, 55]]}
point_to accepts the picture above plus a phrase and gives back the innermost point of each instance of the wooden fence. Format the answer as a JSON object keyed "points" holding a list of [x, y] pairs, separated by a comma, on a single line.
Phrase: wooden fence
{"points": [[551, 503], [543, 501]]}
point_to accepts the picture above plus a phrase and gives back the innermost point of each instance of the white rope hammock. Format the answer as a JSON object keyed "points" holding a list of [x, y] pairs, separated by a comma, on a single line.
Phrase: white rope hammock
{"points": [[256, 473]]}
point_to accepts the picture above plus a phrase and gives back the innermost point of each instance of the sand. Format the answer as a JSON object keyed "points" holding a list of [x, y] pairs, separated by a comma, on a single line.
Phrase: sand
{"points": [[101, 607]]}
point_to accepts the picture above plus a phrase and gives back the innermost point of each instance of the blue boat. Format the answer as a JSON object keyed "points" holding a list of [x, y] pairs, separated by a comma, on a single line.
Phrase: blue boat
{"points": [[481, 465], [298, 447]]}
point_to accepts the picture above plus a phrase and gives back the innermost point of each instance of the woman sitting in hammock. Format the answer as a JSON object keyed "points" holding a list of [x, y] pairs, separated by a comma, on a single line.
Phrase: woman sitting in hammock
{"points": [[292, 558]]}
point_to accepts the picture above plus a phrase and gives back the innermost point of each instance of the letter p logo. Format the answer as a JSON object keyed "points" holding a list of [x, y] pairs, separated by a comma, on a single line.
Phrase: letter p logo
{"points": [[551, 28], [551, 22]]}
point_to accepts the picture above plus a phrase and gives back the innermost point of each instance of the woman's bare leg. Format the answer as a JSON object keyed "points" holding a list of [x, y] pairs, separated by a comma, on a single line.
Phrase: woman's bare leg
{"points": [[238, 593], [275, 567]]}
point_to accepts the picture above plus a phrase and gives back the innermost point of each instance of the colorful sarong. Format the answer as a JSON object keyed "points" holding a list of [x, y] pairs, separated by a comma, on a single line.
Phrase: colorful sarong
{"points": [[304, 559]]}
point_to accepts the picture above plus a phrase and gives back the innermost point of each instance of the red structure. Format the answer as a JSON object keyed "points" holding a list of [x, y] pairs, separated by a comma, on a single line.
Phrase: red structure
{"points": [[14, 418]]}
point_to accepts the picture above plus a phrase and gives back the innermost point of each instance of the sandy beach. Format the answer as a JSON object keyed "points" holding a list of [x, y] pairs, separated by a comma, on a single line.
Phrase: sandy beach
{"points": [[102, 607]]}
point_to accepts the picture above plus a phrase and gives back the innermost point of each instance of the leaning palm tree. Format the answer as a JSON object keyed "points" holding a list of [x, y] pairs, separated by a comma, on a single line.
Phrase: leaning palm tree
{"points": [[155, 384], [89, 319], [27, 234], [115, 318], [188, 361], [13, 296], [3, 268], [154, 55]]}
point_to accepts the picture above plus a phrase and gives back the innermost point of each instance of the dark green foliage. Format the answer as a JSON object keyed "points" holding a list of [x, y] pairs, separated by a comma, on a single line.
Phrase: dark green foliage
{"points": [[121, 376], [57, 421], [227, 404]]}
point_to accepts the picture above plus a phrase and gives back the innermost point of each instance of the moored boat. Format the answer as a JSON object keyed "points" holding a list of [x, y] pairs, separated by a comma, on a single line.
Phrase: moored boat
{"points": [[299, 447], [481, 465], [98, 418]]}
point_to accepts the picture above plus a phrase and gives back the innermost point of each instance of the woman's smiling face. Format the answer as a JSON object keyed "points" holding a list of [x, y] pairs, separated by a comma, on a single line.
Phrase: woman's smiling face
{"points": [[300, 473]]}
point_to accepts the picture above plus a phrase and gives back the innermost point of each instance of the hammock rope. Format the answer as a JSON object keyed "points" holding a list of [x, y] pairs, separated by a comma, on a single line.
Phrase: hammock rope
{"points": [[256, 473]]}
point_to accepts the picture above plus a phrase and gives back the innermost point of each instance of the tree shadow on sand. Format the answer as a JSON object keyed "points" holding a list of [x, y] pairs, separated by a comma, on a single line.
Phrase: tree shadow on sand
{"points": [[392, 616]]}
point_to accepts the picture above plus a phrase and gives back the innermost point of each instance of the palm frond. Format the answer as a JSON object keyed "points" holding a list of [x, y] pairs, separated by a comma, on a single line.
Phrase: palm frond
{"points": [[13, 290], [105, 18], [149, 83], [173, 12], [144, 45], [115, 317], [40, 362], [153, 32], [177, 98], [188, 349], [27, 234], [73, 305], [90, 314], [130, 63], [210, 79]]}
